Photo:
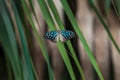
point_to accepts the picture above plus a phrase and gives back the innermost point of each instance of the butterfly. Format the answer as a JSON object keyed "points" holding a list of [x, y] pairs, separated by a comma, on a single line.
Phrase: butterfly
{"points": [[58, 35]]}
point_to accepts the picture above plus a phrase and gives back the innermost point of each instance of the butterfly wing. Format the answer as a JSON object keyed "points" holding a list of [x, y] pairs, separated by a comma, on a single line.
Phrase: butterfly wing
{"points": [[52, 35], [66, 35]]}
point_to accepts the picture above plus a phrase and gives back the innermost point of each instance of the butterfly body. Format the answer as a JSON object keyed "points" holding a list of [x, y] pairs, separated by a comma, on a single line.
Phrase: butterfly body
{"points": [[62, 36]]}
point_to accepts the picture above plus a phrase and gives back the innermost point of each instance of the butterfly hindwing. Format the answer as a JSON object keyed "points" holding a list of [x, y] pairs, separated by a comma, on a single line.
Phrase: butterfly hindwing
{"points": [[66, 35], [52, 35]]}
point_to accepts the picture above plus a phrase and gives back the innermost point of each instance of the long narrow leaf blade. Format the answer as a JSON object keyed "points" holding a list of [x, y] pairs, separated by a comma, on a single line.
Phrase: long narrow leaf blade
{"points": [[50, 22], [9, 42], [81, 37], [104, 25], [40, 41], [58, 20]]}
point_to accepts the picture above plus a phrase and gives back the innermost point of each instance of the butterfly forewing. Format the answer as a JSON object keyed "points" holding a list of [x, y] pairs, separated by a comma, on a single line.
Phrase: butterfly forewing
{"points": [[52, 35], [66, 35]]}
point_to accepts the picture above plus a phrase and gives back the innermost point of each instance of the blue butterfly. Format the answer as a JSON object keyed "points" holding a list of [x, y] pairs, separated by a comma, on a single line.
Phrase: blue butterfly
{"points": [[62, 36]]}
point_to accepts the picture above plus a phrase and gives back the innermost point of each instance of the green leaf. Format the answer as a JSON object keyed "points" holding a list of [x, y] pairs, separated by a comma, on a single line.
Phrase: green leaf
{"points": [[40, 41], [7, 38], [69, 45], [61, 48], [81, 37], [25, 50], [104, 25]]}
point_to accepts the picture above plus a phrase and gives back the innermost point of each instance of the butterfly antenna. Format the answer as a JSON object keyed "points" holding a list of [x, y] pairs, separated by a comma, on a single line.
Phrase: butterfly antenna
{"points": [[58, 29]]}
